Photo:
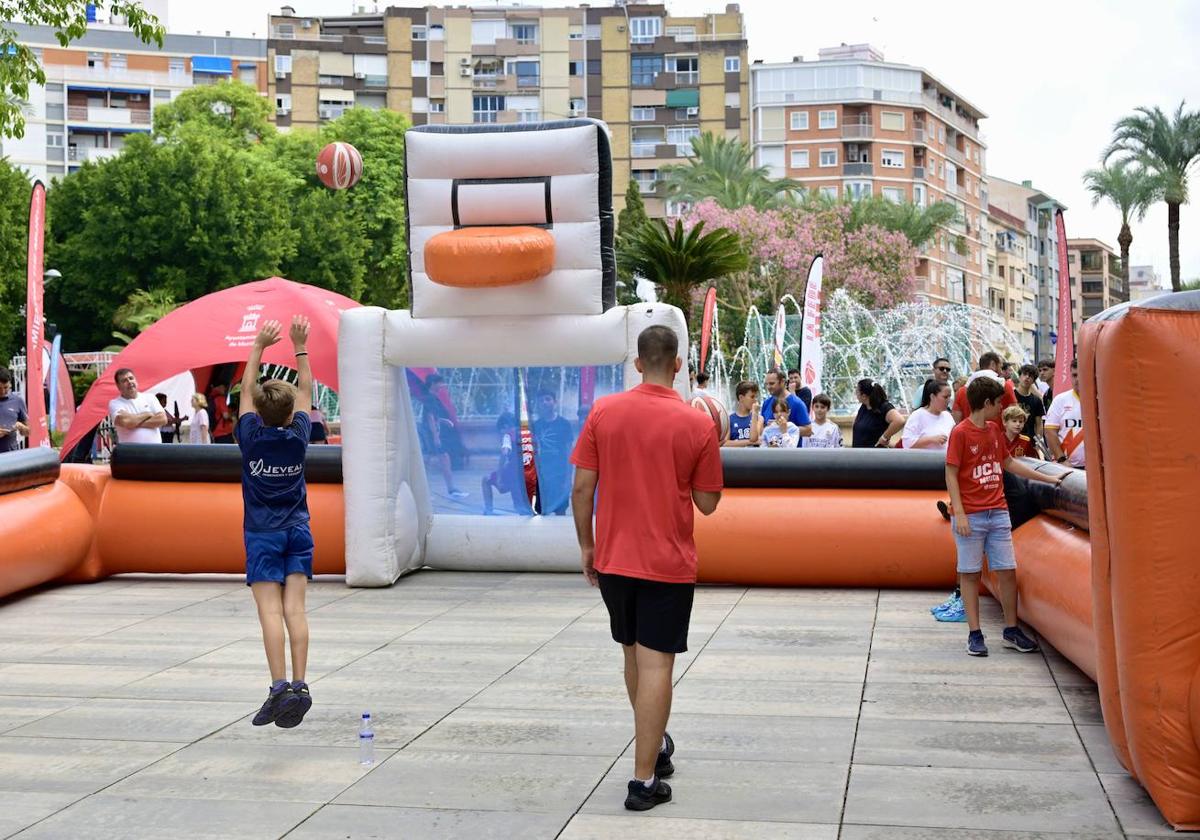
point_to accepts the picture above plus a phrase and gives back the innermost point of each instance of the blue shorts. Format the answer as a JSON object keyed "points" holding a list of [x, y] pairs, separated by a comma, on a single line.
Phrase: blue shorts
{"points": [[273, 555], [991, 534]]}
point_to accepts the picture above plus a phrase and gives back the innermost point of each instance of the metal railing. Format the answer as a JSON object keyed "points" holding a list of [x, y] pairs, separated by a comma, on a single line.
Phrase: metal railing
{"points": [[955, 155], [687, 77], [374, 39], [918, 135], [858, 168], [151, 78], [643, 149], [113, 116], [918, 173], [857, 130], [955, 258], [375, 81]]}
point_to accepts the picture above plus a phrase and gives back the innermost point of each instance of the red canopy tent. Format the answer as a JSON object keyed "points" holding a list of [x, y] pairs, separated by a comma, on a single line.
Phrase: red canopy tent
{"points": [[220, 328]]}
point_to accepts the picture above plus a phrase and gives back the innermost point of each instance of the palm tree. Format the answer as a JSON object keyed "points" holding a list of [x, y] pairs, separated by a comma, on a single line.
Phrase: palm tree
{"points": [[722, 169], [677, 261], [918, 224], [1132, 190], [1166, 146], [139, 311]]}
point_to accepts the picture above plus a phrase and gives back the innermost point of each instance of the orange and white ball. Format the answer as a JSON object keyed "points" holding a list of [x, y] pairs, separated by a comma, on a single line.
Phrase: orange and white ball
{"points": [[716, 412], [339, 166]]}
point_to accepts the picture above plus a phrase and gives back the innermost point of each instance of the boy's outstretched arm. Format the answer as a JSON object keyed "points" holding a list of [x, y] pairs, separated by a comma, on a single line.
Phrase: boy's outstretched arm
{"points": [[299, 336], [1014, 466], [267, 335]]}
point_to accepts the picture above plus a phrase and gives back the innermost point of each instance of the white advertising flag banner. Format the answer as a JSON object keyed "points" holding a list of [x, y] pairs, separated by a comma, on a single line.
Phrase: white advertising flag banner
{"points": [[811, 357]]}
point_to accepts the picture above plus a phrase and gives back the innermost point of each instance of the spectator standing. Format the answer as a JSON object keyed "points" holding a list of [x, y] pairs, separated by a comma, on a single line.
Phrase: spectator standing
{"points": [[169, 432], [222, 419], [642, 553], [797, 411], [877, 419], [1030, 399], [553, 438], [1045, 382], [14, 416], [745, 421], [825, 433], [930, 425], [1019, 444], [136, 416], [1064, 425], [939, 372], [198, 422], [781, 433], [797, 387], [701, 387], [990, 364], [436, 427], [319, 432]]}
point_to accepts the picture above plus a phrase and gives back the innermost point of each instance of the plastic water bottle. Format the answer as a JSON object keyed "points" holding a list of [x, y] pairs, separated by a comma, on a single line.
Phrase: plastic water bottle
{"points": [[366, 741]]}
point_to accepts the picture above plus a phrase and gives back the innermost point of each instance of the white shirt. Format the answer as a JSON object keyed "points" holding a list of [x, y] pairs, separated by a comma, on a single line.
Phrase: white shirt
{"points": [[140, 404], [924, 422], [1042, 387], [825, 435], [773, 437], [198, 421], [1065, 418]]}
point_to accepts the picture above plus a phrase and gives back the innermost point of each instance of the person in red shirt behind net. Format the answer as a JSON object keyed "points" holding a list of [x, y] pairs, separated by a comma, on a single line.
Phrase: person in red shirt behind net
{"points": [[643, 556], [976, 458], [990, 365]]}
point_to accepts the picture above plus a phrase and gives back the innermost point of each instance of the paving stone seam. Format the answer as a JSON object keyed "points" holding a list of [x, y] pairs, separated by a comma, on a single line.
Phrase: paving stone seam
{"points": [[858, 718]]}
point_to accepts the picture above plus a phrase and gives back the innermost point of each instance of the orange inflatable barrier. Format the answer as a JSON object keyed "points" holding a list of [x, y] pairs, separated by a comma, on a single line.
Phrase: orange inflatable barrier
{"points": [[487, 257]]}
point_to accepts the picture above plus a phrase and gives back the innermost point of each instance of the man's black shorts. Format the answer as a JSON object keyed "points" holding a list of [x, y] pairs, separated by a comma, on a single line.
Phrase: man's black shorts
{"points": [[647, 612]]}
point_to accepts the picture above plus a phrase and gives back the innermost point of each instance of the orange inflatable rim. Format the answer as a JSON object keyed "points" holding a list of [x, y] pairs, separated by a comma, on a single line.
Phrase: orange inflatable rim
{"points": [[489, 257]]}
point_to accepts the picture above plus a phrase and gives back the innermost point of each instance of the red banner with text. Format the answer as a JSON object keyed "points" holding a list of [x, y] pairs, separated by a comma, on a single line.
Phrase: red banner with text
{"points": [[35, 399], [1064, 350]]}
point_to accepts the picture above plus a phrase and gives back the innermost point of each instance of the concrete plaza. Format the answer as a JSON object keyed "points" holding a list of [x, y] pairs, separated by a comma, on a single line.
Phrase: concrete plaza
{"points": [[125, 711]]}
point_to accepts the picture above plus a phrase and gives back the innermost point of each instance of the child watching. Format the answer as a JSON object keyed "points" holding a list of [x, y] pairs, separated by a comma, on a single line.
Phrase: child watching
{"points": [[825, 433], [1019, 445], [783, 433], [273, 430], [745, 422], [976, 460]]}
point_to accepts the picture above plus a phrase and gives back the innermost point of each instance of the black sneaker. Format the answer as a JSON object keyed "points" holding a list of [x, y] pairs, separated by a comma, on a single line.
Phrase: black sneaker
{"points": [[273, 706], [663, 767], [295, 706], [1017, 640], [944, 510], [642, 798], [975, 644]]}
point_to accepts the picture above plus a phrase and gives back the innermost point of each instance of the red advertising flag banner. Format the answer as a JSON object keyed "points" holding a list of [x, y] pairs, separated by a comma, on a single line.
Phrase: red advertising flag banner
{"points": [[706, 325], [1064, 350], [34, 399]]}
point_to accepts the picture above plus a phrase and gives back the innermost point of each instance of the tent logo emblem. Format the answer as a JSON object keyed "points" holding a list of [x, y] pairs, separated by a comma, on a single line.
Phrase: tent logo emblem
{"points": [[250, 320]]}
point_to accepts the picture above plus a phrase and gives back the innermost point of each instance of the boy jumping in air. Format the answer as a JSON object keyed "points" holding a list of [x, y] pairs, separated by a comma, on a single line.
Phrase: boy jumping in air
{"points": [[976, 457], [273, 429]]}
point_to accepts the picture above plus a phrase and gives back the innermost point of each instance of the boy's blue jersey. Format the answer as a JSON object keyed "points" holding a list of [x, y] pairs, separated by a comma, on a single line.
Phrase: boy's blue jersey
{"points": [[739, 427], [273, 488]]}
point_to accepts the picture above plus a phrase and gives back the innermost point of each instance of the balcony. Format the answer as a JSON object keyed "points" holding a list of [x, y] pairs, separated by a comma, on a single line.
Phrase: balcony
{"points": [[955, 258], [643, 149], [107, 116], [528, 82], [918, 135], [123, 78], [687, 78], [855, 169], [375, 81], [78, 154], [946, 113], [857, 130], [374, 39], [955, 155], [918, 173]]}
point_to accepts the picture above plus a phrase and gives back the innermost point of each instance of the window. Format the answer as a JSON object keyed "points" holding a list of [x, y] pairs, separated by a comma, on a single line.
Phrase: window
{"points": [[437, 32], [524, 33], [95, 59], [641, 115], [892, 158], [685, 68], [576, 68], [437, 106], [420, 33], [681, 136], [891, 120], [420, 69], [117, 61], [248, 75], [733, 100], [858, 189], [799, 158], [420, 105], [54, 140], [828, 157], [643, 30], [487, 31], [527, 108], [733, 64], [485, 108], [799, 120], [528, 73], [919, 195], [829, 192], [576, 33], [893, 194], [772, 158], [770, 124], [647, 179], [283, 64], [643, 68], [578, 108], [942, 134], [593, 67], [827, 119], [682, 33]]}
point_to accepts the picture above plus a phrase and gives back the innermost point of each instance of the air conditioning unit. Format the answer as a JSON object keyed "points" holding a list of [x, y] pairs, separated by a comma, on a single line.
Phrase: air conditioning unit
{"points": [[279, 74], [466, 72], [360, 75], [693, 112], [307, 23], [282, 112], [464, 62]]}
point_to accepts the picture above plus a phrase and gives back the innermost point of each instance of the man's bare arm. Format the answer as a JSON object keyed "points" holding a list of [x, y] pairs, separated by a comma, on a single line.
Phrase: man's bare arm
{"points": [[706, 501]]}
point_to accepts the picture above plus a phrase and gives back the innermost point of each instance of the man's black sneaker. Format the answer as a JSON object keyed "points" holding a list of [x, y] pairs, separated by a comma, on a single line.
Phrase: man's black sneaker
{"points": [[273, 706], [295, 706], [1017, 640], [642, 798], [663, 767], [944, 510]]}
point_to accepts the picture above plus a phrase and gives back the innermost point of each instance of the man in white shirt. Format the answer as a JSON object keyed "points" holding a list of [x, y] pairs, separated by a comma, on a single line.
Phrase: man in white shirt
{"points": [[137, 417], [1064, 425], [701, 387]]}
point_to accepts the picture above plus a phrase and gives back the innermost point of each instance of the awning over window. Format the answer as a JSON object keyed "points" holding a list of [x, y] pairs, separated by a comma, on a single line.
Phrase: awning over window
{"points": [[687, 98], [215, 64]]}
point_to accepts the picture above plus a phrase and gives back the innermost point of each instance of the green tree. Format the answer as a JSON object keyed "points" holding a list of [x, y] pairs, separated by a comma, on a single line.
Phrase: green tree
{"points": [[230, 109], [139, 311], [1132, 190], [722, 169], [19, 67], [14, 239], [630, 220], [1168, 147], [918, 224], [678, 261]]}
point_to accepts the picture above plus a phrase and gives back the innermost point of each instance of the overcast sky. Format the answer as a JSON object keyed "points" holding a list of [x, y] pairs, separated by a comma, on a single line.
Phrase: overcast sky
{"points": [[1051, 76]]}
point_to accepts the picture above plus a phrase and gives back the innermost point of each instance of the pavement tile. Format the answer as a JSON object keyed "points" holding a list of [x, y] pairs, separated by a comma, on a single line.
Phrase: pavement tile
{"points": [[817, 740], [1003, 667], [950, 701], [1099, 748], [24, 808], [540, 732], [1083, 702], [892, 832], [654, 827], [1135, 809], [513, 691], [328, 725], [376, 822], [696, 695], [68, 680], [171, 721], [17, 711], [800, 666], [972, 746], [74, 766], [829, 638]]}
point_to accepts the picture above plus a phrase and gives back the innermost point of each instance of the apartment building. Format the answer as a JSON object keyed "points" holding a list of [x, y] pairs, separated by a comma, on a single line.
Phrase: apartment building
{"points": [[105, 86], [1011, 290], [1145, 282], [1096, 279], [851, 123], [657, 80], [1022, 201]]}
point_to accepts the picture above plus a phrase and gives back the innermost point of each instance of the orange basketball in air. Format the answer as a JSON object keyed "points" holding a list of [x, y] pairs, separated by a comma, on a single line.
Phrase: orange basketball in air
{"points": [[339, 166], [716, 412]]}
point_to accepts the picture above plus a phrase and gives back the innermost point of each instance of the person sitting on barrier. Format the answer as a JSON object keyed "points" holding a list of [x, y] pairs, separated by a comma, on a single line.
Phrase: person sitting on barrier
{"points": [[929, 426], [137, 417], [797, 410], [826, 434], [990, 365], [198, 422], [1064, 425], [782, 433], [877, 419], [745, 421], [272, 431], [642, 553], [14, 418], [976, 460], [796, 386]]}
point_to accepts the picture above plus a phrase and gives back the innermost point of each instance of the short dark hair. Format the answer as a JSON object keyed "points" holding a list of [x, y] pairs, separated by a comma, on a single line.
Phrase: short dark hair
{"points": [[777, 373], [983, 389], [745, 387], [793, 370], [5, 376], [1074, 364], [658, 348], [1027, 370], [940, 359], [546, 392], [120, 372], [701, 379], [988, 359], [823, 399], [1046, 363]]}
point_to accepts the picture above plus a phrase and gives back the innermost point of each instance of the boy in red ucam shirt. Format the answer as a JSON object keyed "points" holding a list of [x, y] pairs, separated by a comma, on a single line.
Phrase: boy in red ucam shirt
{"points": [[643, 556], [976, 456]]}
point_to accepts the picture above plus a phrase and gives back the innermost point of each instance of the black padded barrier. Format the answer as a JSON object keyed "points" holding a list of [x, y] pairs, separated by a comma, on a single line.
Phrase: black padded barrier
{"points": [[216, 462], [849, 469], [22, 469]]}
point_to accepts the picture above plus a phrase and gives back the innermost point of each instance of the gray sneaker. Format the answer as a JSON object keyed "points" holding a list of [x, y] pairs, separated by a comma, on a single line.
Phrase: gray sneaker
{"points": [[1016, 639]]}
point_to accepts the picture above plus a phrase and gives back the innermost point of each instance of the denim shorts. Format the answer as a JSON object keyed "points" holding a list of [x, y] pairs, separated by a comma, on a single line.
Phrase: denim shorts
{"points": [[991, 534], [273, 555]]}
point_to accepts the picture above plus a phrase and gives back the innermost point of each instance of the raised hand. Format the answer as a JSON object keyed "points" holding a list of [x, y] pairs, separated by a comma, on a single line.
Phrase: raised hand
{"points": [[299, 331], [268, 334]]}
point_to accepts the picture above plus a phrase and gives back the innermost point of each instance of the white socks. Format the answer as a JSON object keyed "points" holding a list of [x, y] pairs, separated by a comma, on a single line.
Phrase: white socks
{"points": [[648, 783]]}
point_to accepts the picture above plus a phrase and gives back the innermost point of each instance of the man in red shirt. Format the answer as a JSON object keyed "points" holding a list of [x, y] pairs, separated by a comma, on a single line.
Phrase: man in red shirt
{"points": [[990, 365], [643, 556], [976, 457]]}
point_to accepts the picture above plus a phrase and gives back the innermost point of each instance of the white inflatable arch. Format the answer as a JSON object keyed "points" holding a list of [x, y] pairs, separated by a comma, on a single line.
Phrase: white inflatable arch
{"points": [[552, 176]]}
